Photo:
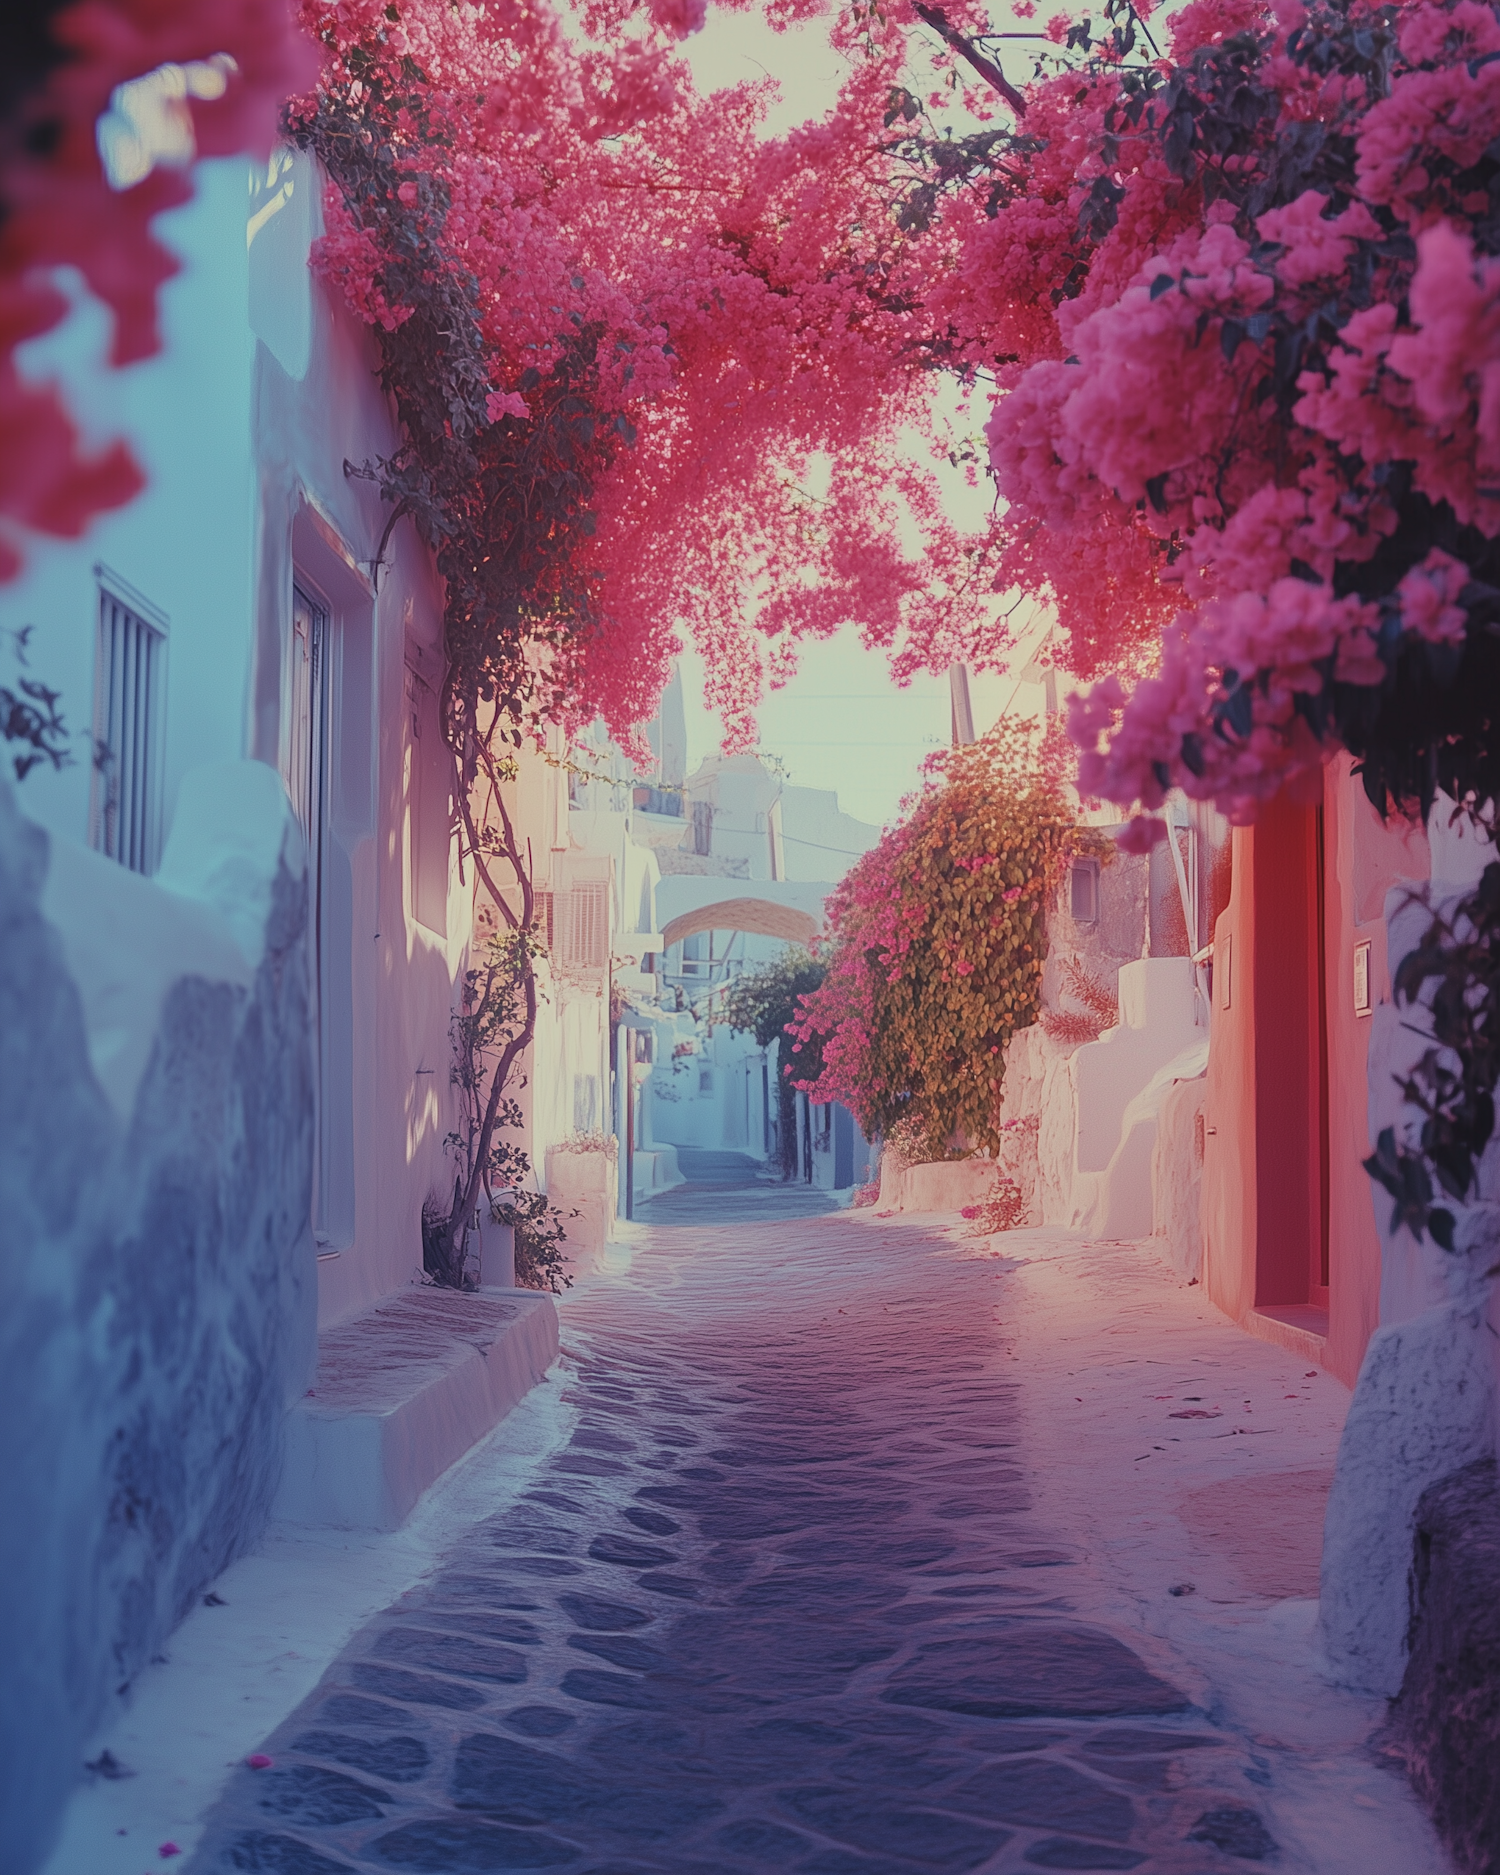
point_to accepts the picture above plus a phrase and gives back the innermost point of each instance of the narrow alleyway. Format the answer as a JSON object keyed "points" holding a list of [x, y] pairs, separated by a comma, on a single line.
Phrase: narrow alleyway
{"points": [[803, 1591]]}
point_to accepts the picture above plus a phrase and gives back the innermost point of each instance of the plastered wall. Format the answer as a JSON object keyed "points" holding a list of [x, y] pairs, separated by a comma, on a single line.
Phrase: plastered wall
{"points": [[156, 1266]]}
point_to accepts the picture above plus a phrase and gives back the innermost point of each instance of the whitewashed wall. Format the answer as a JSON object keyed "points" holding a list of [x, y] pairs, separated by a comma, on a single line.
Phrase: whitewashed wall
{"points": [[156, 1264], [317, 405]]}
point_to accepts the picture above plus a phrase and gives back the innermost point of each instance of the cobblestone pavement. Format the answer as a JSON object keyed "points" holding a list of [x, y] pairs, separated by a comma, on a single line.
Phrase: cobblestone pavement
{"points": [[782, 1603]]}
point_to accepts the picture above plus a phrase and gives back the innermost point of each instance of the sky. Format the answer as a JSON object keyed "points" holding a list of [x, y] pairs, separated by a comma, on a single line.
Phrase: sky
{"points": [[841, 722]]}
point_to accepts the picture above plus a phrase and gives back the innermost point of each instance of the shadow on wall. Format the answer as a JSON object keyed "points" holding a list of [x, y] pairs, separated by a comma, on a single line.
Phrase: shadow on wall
{"points": [[157, 1293]]}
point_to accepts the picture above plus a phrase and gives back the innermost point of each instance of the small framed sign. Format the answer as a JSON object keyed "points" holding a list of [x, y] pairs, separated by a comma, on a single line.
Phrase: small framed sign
{"points": [[1362, 978]]}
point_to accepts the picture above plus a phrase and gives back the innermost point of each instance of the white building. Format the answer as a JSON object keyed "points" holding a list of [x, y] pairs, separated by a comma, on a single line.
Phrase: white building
{"points": [[233, 935], [748, 872]]}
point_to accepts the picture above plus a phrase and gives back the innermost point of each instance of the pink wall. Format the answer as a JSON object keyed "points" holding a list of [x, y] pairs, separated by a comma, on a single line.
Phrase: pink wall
{"points": [[1265, 1166]]}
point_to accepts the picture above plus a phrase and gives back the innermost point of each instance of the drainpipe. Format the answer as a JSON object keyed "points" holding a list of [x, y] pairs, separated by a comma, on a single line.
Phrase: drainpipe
{"points": [[963, 709]]}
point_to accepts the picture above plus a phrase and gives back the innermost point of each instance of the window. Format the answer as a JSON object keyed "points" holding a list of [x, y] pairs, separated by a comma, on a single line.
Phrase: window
{"points": [[703, 827], [544, 918], [1084, 891], [705, 1081], [130, 664], [587, 926]]}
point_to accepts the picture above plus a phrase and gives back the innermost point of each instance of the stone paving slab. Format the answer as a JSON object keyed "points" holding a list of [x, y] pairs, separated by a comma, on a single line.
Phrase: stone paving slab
{"points": [[783, 1603]]}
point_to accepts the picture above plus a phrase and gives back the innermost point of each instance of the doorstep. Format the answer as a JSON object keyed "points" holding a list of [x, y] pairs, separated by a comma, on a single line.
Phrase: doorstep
{"points": [[1296, 1326], [401, 1393]]}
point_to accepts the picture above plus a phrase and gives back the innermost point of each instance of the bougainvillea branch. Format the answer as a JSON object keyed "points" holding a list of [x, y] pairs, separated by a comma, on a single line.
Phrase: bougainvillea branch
{"points": [[966, 49], [1451, 985]]}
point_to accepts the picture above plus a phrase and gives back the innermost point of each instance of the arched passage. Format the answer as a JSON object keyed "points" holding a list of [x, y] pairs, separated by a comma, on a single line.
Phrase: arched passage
{"points": [[760, 916]]}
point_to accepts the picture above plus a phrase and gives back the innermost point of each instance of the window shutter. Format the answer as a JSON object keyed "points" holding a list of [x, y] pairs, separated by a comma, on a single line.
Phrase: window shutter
{"points": [[587, 927], [125, 812]]}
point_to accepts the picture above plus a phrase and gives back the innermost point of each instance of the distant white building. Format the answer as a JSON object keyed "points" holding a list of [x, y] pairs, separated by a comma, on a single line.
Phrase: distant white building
{"points": [[746, 864]]}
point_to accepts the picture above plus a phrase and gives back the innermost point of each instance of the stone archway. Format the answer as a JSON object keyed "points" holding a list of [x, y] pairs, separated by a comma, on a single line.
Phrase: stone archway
{"points": [[760, 916]]}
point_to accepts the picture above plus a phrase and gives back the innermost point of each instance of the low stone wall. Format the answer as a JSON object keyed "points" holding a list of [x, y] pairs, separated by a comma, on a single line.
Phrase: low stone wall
{"points": [[588, 1183], [946, 1185], [1447, 1718], [1039, 1124], [401, 1393], [157, 1286]]}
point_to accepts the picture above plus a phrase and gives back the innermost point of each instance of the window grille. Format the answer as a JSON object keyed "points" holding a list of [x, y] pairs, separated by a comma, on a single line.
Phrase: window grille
{"points": [[125, 806], [587, 926], [705, 1080]]}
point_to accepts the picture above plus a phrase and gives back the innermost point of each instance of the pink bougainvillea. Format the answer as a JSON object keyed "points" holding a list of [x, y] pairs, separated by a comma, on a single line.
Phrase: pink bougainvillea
{"points": [[1249, 441], [936, 939], [730, 329], [59, 210]]}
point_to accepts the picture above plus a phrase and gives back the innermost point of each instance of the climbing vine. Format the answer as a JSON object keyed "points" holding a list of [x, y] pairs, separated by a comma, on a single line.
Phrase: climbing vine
{"points": [[936, 943]]}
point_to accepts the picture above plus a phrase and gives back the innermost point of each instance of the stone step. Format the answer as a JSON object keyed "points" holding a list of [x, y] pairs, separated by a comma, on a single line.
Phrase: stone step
{"points": [[401, 1393]]}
